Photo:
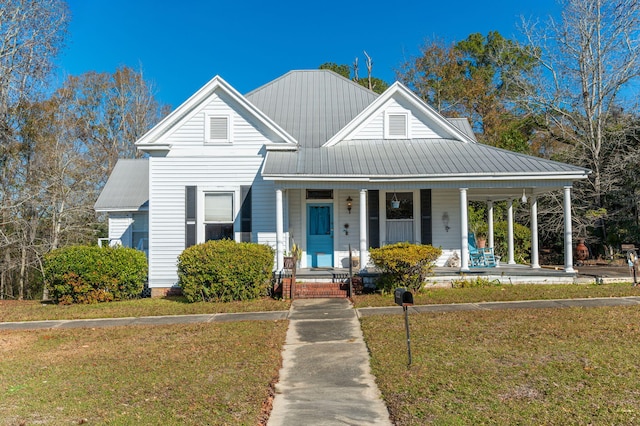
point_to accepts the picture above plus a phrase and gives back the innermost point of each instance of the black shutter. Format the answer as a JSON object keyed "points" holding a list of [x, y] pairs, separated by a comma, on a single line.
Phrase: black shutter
{"points": [[190, 204], [426, 233], [245, 213], [373, 208]]}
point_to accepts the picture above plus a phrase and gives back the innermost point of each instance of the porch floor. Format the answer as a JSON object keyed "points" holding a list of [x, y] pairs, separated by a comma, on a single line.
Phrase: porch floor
{"points": [[442, 276]]}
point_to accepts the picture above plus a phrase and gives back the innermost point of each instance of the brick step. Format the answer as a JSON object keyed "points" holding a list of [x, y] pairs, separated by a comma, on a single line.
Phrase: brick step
{"points": [[310, 290]]}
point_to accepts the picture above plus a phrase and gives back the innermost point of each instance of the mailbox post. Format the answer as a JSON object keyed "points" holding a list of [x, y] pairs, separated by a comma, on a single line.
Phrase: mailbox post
{"points": [[404, 298]]}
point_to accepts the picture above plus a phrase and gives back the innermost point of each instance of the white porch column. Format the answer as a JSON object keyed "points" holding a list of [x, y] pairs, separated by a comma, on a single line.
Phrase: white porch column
{"points": [[464, 227], [510, 231], [364, 253], [535, 263], [279, 231], [490, 223], [568, 235]]}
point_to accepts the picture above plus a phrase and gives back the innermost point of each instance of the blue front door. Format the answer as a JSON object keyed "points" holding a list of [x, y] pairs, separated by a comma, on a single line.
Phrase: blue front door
{"points": [[320, 235]]}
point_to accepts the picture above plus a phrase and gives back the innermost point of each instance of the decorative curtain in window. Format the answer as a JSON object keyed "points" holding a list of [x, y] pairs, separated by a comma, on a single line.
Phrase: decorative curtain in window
{"points": [[319, 220]]}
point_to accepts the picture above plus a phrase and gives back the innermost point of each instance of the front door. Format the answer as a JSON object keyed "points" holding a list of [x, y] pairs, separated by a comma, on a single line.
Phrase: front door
{"points": [[320, 235]]}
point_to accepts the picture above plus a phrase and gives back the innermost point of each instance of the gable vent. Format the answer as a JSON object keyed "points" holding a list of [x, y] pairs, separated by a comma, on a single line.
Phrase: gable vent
{"points": [[218, 128], [397, 126]]}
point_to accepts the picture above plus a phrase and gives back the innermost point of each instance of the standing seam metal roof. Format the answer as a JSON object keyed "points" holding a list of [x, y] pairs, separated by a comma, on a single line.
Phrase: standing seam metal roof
{"points": [[127, 188], [311, 105], [417, 157]]}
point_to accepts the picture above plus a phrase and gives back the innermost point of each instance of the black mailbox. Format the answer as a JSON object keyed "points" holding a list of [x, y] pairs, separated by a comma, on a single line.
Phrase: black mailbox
{"points": [[403, 297]]}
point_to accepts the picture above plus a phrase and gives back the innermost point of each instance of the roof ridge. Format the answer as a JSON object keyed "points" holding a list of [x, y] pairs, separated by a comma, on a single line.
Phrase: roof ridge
{"points": [[301, 71]]}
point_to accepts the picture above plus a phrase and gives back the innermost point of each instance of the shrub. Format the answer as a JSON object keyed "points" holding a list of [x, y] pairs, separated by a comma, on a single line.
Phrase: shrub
{"points": [[404, 264], [224, 271], [90, 274]]}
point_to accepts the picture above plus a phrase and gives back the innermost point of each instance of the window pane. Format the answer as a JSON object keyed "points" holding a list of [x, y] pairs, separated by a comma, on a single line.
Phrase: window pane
{"points": [[218, 207], [399, 205], [218, 231]]}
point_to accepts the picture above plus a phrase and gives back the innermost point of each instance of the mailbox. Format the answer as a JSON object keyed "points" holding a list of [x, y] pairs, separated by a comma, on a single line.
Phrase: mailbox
{"points": [[403, 297]]}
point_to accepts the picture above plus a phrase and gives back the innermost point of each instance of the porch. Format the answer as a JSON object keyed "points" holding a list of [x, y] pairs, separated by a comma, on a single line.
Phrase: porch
{"points": [[334, 282]]}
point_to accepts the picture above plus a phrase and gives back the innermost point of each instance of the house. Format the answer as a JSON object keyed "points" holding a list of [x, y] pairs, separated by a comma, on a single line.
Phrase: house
{"points": [[315, 158]]}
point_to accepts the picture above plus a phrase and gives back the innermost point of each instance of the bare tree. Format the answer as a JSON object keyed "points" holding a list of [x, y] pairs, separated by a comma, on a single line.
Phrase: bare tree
{"points": [[587, 60]]}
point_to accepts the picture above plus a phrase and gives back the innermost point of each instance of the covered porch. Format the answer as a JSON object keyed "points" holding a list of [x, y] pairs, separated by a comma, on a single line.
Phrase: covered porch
{"points": [[373, 216]]}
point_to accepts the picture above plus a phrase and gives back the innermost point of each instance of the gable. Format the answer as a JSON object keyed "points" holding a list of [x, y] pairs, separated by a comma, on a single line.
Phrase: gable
{"points": [[384, 118], [235, 121]]}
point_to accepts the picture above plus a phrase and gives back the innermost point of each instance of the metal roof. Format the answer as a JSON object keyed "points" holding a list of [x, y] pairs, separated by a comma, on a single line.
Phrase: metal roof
{"points": [[127, 188], [419, 158], [464, 126], [311, 105]]}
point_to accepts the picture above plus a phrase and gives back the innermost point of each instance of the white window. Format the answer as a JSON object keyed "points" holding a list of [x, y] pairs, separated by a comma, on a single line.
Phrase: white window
{"points": [[140, 231], [217, 128], [218, 216], [396, 126]]}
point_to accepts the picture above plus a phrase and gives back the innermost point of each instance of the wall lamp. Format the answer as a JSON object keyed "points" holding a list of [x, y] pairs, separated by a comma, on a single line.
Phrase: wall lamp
{"points": [[445, 221], [349, 203]]}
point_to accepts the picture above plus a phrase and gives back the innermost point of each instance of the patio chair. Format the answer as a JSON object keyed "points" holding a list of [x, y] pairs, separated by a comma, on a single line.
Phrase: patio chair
{"points": [[480, 257]]}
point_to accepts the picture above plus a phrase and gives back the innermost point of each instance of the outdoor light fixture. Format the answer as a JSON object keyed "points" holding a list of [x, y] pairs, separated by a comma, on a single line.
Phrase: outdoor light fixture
{"points": [[349, 203], [524, 196], [445, 221]]}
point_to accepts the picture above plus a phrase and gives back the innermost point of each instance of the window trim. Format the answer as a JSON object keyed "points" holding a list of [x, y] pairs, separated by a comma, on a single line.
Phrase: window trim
{"points": [[207, 129], [387, 118], [201, 223]]}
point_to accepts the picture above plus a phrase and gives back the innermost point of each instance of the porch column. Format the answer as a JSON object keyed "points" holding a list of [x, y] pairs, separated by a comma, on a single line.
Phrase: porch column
{"points": [[568, 235], [490, 222], [279, 231], [535, 263], [364, 253], [510, 231], [464, 227]]}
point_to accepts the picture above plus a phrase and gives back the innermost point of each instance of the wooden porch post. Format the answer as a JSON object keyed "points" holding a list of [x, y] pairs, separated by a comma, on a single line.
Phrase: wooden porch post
{"points": [[490, 222], [279, 231], [464, 227], [535, 263], [568, 235], [364, 253], [510, 231]]}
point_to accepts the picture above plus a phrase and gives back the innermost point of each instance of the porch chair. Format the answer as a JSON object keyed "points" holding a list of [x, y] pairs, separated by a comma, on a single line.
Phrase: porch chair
{"points": [[480, 257]]}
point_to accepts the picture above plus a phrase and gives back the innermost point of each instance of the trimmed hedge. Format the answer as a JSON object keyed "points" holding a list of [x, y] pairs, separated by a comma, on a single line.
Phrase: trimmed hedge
{"points": [[404, 264], [224, 271], [90, 274]]}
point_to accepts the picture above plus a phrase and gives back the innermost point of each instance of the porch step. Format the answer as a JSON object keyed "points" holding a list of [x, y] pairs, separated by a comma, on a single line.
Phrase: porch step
{"points": [[312, 290]]}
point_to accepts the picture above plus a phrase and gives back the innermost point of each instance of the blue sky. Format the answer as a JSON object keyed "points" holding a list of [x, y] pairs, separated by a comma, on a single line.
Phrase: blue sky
{"points": [[181, 45]]}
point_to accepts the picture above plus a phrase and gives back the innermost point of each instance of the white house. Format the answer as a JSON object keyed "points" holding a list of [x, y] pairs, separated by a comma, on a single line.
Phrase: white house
{"points": [[315, 158]]}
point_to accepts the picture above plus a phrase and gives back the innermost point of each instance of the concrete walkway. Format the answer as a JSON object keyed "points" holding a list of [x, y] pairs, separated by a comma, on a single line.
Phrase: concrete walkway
{"points": [[325, 377]]}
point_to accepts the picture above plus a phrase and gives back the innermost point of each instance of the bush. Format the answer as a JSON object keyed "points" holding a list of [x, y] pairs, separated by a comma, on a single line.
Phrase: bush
{"points": [[84, 274], [404, 264], [224, 271], [474, 283]]}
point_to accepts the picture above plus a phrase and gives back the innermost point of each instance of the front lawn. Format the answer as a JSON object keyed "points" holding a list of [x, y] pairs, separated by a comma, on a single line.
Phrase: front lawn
{"points": [[34, 310], [545, 366], [193, 374], [503, 292]]}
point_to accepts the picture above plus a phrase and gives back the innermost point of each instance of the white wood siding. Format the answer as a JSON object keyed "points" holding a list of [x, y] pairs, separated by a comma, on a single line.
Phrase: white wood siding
{"points": [[168, 178], [120, 228], [442, 201], [374, 127], [188, 139]]}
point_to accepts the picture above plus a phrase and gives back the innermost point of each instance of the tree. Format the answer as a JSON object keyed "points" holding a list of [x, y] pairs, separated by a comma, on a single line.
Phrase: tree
{"points": [[31, 35], [588, 59], [372, 83], [473, 78]]}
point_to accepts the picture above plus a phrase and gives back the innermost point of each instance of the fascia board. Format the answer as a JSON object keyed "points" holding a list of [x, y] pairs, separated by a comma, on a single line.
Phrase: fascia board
{"points": [[569, 176]]}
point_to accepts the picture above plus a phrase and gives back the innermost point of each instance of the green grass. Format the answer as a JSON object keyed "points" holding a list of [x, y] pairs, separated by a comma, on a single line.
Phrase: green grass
{"points": [[547, 366], [195, 374], [34, 310], [503, 293]]}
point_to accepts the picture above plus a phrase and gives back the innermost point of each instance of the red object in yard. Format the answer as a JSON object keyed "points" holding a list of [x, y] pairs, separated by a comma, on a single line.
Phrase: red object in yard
{"points": [[582, 252]]}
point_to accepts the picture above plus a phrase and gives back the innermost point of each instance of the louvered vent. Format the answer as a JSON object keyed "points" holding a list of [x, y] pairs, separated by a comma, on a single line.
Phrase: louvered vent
{"points": [[219, 128], [397, 126]]}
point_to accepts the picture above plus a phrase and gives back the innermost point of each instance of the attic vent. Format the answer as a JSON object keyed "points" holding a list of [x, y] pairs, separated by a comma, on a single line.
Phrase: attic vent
{"points": [[397, 126], [217, 128]]}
